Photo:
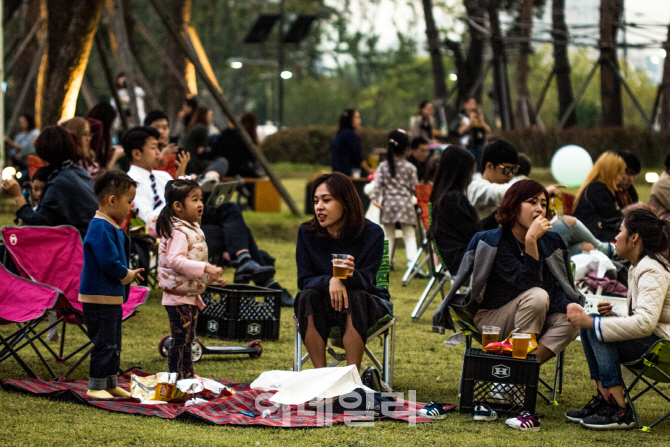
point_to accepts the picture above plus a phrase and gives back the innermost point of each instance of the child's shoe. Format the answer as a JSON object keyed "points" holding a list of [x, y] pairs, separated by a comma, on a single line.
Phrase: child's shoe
{"points": [[485, 413], [525, 422], [118, 392], [99, 394]]}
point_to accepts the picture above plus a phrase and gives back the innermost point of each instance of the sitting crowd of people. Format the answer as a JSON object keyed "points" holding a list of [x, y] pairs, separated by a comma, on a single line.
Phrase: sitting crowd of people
{"points": [[494, 230]]}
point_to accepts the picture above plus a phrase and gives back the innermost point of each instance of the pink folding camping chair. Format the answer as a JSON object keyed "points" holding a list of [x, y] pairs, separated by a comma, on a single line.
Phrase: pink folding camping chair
{"points": [[54, 256], [25, 303]]}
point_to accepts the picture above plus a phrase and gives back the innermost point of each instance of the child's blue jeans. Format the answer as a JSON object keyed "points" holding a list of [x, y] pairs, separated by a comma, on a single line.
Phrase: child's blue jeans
{"points": [[103, 323]]}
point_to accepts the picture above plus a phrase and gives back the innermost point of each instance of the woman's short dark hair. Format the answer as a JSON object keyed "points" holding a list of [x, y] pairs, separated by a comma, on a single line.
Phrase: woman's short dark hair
{"points": [[343, 190], [56, 145], [347, 119], [423, 104], [654, 233], [510, 208]]}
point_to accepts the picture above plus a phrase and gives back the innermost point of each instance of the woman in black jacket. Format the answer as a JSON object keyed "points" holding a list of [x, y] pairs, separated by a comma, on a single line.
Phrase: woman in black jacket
{"points": [[455, 221]]}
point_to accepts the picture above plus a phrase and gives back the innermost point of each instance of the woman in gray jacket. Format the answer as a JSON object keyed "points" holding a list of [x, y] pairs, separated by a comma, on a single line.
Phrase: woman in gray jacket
{"points": [[609, 339]]}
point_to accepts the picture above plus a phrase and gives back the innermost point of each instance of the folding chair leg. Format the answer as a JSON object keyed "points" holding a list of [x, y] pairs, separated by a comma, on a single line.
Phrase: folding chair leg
{"points": [[468, 344], [76, 365], [428, 296], [9, 347], [410, 273], [297, 346]]}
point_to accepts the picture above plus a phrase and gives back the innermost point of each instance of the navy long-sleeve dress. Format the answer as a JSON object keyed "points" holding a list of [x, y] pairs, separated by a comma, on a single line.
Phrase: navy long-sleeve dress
{"points": [[315, 269]]}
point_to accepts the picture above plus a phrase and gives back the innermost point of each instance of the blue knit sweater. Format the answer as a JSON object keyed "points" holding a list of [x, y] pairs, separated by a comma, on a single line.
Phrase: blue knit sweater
{"points": [[105, 277]]}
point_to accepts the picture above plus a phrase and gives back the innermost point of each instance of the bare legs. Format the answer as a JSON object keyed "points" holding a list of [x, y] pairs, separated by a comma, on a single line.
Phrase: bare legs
{"points": [[353, 345]]}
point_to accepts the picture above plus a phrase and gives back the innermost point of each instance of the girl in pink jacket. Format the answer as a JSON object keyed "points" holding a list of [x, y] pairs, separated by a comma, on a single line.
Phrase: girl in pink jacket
{"points": [[183, 270]]}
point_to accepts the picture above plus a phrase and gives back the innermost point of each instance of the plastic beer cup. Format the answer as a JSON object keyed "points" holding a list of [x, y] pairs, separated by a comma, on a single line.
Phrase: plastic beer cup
{"points": [[339, 269], [490, 335], [520, 345]]}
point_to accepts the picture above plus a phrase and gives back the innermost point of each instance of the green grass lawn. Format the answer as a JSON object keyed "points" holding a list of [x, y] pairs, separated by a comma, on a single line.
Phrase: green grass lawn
{"points": [[423, 363]]}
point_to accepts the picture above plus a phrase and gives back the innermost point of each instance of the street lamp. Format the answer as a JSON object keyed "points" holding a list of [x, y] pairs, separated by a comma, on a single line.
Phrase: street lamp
{"points": [[286, 74]]}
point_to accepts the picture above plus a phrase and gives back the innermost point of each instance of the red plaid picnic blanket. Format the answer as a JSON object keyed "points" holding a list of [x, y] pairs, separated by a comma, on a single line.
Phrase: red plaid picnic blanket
{"points": [[226, 410]]}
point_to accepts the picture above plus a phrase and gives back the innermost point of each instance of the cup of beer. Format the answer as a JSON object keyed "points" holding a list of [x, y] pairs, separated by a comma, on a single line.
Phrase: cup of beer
{"points": [[339, 268], [490, 335], [520, 345], [373, 161]]}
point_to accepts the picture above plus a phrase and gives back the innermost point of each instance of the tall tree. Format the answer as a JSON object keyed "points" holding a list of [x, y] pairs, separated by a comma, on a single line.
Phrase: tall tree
{"points": [[469, 68], [439, 75], [523, 110], [665, 89], [562, 69], [610, 87], [172, 92], [500, 78], [71, 27]]}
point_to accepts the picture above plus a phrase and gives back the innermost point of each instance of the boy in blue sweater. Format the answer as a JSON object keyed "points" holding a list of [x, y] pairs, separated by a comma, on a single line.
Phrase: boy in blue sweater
{"points": [[105, 281]]}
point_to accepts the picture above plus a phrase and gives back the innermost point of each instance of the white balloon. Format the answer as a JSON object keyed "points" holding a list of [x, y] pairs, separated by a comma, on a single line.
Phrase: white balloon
{"points": [[571, 165]]}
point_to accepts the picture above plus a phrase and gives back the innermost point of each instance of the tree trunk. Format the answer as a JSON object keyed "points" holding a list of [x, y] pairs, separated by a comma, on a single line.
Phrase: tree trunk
{"points": [[665, 93], [439, 75], [29, 15], [172, 93], [610, 87], [561, 62], [70, 31], [472, 69], [500, 78], [523, 112]]}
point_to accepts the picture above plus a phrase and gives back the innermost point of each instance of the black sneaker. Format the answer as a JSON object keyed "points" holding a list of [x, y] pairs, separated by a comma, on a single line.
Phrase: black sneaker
{"points": [[611, 417], [591, 408]]}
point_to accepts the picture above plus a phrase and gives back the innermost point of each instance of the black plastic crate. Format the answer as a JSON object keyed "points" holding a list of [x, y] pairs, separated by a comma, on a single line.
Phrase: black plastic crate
{"points": [[507, 384], [240, 312]]}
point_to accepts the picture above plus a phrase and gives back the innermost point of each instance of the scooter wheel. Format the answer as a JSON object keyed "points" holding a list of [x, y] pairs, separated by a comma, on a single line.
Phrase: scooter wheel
{"points": [[254, 344], [196, 350], [164, 345]]}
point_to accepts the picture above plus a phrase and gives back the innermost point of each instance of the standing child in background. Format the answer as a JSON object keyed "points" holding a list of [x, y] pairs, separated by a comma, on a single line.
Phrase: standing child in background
{"points": [[183, 270], [105, 281], [394, 191]]}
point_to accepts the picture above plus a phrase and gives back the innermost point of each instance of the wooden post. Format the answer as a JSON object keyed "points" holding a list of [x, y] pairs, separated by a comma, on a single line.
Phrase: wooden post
{"points": [[125, 60], [21, 48], [162, 54], [568, 111], [174, 31], [110, 80]]}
